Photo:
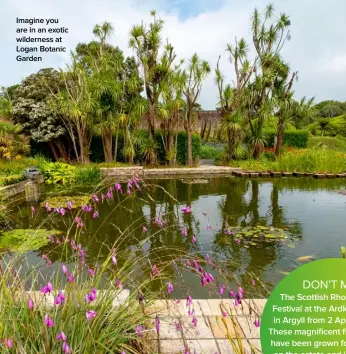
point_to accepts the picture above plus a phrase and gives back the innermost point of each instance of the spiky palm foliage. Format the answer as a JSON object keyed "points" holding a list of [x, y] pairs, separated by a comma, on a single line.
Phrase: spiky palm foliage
{"points": [[146, 41], [193, 78]]}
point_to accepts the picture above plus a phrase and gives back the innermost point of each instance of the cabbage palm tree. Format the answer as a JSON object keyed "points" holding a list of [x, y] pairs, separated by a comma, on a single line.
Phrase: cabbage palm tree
{"points": [[193, 78]]}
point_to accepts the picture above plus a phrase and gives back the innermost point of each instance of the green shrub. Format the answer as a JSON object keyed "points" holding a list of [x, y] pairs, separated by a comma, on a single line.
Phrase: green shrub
{"points": [[182, 148], [208, 151], [292, 138], [88, 175], [59, 173], [11, 179]]}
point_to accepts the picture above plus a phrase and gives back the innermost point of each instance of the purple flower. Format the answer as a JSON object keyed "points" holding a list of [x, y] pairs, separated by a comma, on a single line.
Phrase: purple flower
{"points": [[66, 348], [184, 232], [231, 293], [69, 205], [79, 222], [222, 289], [157, 324], [62, 211], [95, 214], [57, 210], [224, 313], [188, 264], [144, 229], [90, 314], [91, 296], [48, 321], [227, 231], [91, 272], [203, 281], [87, 208], [51, 239], [61, 336], [194, 321], [186, 210], [118, 187], [70, 278], [155, 271], [95, 198], [114, 259], [139, 330], [48, 208], [30, 304], [59, 299], [118, 283], [64, 269], [8, 342], [195, 264], [194, 239], [47, 288], [170, 288], [178, 327], [257, 323], [188, 300]]}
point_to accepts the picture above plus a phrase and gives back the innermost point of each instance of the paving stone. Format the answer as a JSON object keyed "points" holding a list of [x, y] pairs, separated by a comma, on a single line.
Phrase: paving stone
{"points": [[168, 329], [225, 327], [177, 307], [201, 331], [259, 305], [158, 307], [172, 346], [251, 346], [242, 309], [214, 306], [202, 346], [249, 329]]}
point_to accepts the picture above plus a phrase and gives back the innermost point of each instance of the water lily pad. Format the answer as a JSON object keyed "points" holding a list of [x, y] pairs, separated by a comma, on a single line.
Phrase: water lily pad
{"points": [[23, 240], [61, 201]]}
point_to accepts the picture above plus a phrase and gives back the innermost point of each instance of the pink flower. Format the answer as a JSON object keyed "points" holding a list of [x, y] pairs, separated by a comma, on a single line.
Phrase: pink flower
{"points": [[208, 227], [95, 214], [231, 293], [8, 343], [253, 282], [91, 272], [118, 283], [32, 211], [48, 321], [66, 348], [186, 210], [48, 208], [59, 299], [118, 187], [194, 321], [184, 232], [64, 269], [188, 264], [157, 324], [61, 336], [144, 229], [95, 198], [222, 289], [70, 278], [90, 314], [170, 288], [62, 211], [69, 205], [114, 259], [139, 330], [30, 304], [224, 313], [208, 258], [194, 239], [155, 271], [257, 323], [91, 296], [227, 231], [47, 288], [188, 301]]}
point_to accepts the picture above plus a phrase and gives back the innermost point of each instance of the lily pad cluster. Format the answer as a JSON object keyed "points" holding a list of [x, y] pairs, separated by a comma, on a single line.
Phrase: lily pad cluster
{"points": [[23, 240], [253, 236], [61, 201]]}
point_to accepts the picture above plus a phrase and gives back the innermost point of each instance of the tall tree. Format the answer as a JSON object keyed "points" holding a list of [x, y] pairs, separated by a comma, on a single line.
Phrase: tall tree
{"points": [[194, 76], [31, 109], [269, 35], [145, 40]]}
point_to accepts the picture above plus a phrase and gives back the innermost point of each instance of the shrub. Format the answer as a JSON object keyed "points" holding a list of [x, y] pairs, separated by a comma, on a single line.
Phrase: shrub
{"points": [[292, 138], [11, 179], [88, 175], [59, 173], [208, 151]]}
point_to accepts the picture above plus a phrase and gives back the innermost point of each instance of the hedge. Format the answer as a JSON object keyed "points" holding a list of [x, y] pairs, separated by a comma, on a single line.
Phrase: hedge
{"points": [[97, 155], [292, 138]]}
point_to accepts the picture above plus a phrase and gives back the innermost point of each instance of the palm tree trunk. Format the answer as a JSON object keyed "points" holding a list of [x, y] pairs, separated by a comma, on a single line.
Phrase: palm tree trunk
{"points": [[116, 144], [230, 145], [279, 139], [54, 151], [107, 144]]}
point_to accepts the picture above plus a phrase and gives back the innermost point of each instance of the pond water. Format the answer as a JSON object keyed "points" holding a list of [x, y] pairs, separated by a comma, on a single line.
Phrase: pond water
{"points": [[310, 213]]}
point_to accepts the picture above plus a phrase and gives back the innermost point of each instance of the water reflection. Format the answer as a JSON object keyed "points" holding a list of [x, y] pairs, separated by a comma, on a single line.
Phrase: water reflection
{"points": [[294, 204]]}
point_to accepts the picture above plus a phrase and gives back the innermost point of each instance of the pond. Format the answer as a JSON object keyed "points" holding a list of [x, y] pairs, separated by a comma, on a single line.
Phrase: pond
{"points": [[304, 218]]}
